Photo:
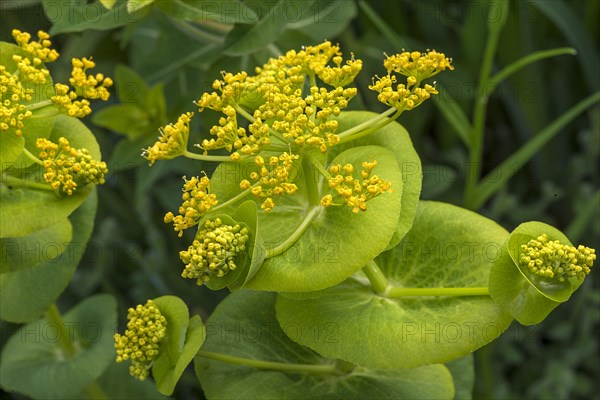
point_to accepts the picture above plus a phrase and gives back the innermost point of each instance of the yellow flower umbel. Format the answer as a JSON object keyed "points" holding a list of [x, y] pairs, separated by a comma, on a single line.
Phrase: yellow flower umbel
{"points": [[272, 178], [67, 168], [416, 67], [140, 343], [355, 192], [13, 96], [85, 86], [172, 141], [553, 260], [214, 251], [197, 201]]}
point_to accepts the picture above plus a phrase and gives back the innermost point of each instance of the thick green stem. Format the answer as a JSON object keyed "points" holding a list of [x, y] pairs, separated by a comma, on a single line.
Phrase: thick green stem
{"points": [[293, 238], [38, 105], [201, 157], [52, 315], [371, 129], [378, 280], [367, 124], [235, 198], [271, 365], [32, 157], [397, 292], [12, 181]]}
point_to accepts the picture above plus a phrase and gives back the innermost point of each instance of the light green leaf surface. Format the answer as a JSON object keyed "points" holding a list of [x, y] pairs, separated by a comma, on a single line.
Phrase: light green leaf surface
{"points": [[447, 247], [34, 364], [244, 325], [25, 294], [529, 298], [184, 337], [326, 254], [40, 247], [25, 210], [396, 139]]}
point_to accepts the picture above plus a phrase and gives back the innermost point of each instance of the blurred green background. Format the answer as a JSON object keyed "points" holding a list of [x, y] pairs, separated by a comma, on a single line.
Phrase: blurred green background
{"points": [[173, 56]]}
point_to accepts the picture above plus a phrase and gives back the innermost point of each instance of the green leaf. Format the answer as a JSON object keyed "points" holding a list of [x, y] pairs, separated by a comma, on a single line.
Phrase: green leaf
{"points": [[79, 15], [244, 325], [131, 87], [130, 120], [25, 294], [135, 5], [447, 247], [40, 247], [25, 210], [324, 19], [11, 147], [463, 375], [108, 3], [245, 39], [33, 354], [326, 253], [529, 298], [224, 12], [396, 139], [184, 337]]}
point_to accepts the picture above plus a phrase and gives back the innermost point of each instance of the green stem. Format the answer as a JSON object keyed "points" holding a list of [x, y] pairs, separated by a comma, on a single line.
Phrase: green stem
{"points": [[367, 124], [481, 100], [293, 238], [378, 280], [52, 314], [202, 157], [397, 292], [235, 198], [372, 129], [271, 365], [251, 118], [32, 157], [11, 180], [38, 105]]}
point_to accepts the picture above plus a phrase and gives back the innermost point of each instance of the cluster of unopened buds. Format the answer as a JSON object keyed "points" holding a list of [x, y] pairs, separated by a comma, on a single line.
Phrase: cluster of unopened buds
{"points": [[554, 260], [140, 343], [214, 251]]}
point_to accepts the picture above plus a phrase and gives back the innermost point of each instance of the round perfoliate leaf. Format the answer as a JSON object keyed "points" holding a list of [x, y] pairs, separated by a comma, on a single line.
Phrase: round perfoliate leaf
{"points": [[447, 247], [34, 353], [244, 326], [183, 338], [529, 297], [337, 242]]}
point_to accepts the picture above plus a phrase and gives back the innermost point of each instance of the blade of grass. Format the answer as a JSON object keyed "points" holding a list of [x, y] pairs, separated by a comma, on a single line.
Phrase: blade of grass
{"points": [[385, 29], [510, 69], [502, 173], [584, 216]]}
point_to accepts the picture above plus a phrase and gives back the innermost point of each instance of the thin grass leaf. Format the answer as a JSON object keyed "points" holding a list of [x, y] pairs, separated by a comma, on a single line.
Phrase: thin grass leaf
{"points": [[496, 179], [453, 114]]}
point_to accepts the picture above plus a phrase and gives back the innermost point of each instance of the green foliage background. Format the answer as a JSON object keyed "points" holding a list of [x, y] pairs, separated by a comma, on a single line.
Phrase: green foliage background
{"points": [[134, 256]]}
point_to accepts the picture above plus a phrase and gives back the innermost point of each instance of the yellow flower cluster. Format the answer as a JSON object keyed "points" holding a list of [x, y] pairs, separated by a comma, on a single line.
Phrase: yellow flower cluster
{"points": [[419, 65], [340, 75], [40, 51], [355, 192], [280, 106], [197, 200], [85, 87], [13, 94], [172, 141], [66, 167], [416, 67], [146, 327], [214, 251], [551, 259], [272, 178]]}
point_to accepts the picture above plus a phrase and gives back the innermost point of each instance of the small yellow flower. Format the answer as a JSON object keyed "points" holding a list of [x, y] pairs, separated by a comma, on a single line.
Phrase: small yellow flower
{"points": [[172, 141], [418, 65], [274, 178], [553, 260], [67, 167], [197, 201], [355, 192], [214, 251], [140, 343]]}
